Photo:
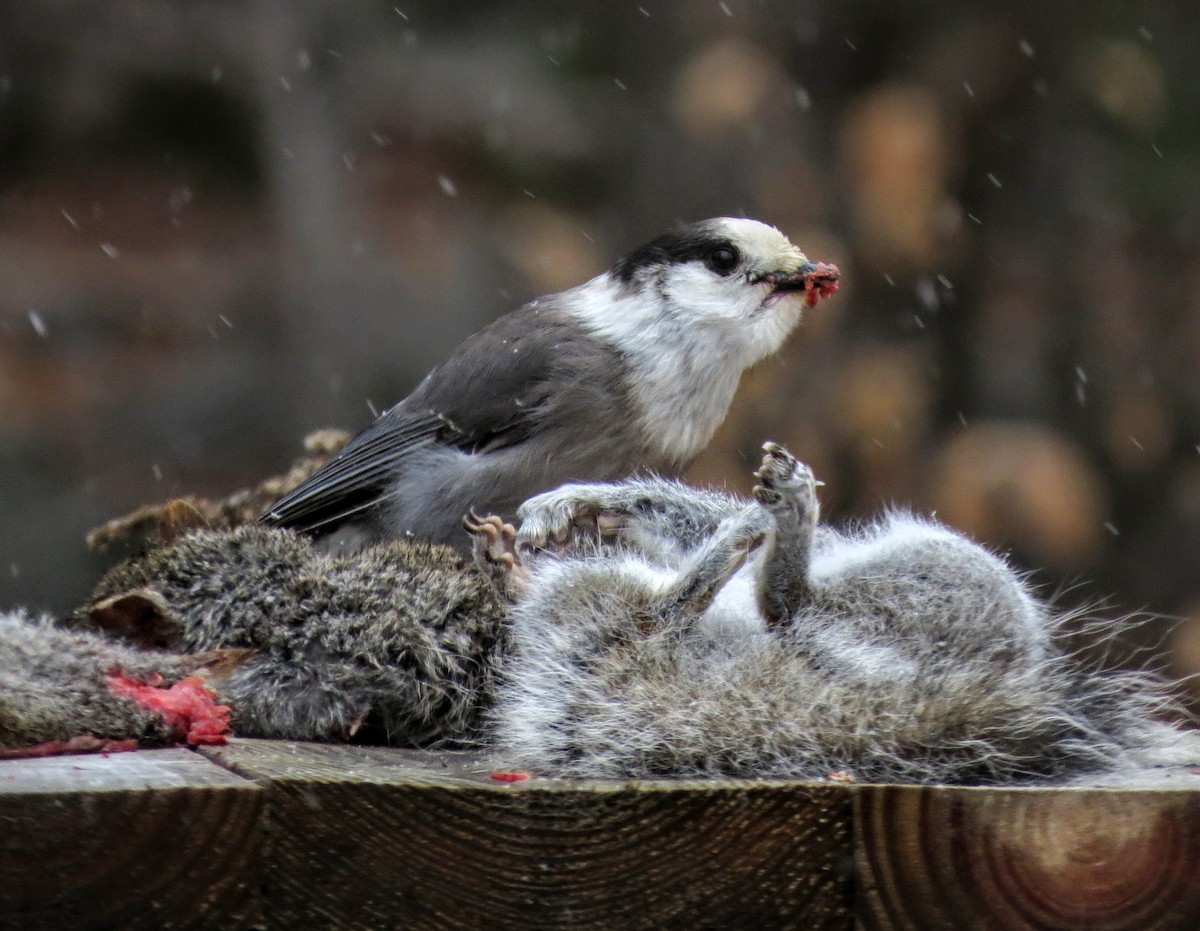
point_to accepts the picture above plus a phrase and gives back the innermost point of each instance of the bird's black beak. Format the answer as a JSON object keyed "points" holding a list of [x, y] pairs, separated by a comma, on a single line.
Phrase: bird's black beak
{"points": [[816, 279]]}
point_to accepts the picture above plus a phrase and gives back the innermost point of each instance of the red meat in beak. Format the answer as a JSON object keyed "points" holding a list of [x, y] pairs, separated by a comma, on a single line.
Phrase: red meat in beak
{"points": [[815, 279]]}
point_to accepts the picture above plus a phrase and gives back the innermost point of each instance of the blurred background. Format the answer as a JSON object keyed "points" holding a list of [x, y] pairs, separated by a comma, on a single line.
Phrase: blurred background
{"points": [[224, 224]]}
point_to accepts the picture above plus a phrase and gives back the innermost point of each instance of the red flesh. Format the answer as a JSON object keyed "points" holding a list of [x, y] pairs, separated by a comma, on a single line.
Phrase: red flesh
{"points": [[821, 282], [509, 777], [187, 707], [85, 743]]}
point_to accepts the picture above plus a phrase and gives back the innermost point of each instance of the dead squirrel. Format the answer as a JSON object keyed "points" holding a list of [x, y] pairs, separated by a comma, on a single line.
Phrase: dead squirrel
{"points": [[706, 634], [63, 691], [401, 637], [703, 634], [394, 644]]}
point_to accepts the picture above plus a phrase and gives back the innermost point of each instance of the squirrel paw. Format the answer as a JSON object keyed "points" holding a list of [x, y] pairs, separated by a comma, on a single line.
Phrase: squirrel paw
{"points": [[555, 521], [785, 483]]}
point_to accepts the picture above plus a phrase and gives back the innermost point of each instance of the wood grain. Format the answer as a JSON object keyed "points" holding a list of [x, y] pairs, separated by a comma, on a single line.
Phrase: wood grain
{"points": [[150, 839], [317, 836], [960, 858], [370, 838]]}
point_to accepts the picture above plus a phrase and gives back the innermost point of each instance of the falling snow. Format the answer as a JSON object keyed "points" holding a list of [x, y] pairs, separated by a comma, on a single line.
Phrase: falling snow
{"points": [[507, 113], [38, 324], [926, 292]]}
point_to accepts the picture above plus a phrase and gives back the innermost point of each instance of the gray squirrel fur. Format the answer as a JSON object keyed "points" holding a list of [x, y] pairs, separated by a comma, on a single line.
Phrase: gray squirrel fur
{"points": [[52, 684], [708, 635], [654, 629], [402, 637]]}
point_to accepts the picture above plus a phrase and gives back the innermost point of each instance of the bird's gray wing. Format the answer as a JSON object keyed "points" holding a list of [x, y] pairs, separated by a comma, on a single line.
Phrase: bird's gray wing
{"points": [[499, 388], [352, 480]]}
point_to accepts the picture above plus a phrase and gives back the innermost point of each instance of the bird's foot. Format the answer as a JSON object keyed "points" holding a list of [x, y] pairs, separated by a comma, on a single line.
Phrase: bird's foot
{"points": [[495, 552]]}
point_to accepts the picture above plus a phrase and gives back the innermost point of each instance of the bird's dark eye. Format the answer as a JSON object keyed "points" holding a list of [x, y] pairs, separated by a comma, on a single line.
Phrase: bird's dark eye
{"points": [[722, 259]]}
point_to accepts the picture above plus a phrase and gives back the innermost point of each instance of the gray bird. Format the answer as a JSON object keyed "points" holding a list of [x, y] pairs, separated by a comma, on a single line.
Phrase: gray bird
{"points": [[633, 370]]}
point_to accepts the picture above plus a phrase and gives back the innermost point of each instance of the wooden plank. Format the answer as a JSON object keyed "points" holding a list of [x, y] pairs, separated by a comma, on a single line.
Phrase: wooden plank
{"points": [[149, 839], [964, 858], [373, 837]]}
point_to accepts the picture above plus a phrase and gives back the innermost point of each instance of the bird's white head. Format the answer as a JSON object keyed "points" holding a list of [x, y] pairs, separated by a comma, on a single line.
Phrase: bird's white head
{"points": [[693, 309], [740, 282]]}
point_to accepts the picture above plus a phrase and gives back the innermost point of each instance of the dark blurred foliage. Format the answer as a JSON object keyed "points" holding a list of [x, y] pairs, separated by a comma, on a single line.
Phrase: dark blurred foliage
{"points": [[223, 224]]}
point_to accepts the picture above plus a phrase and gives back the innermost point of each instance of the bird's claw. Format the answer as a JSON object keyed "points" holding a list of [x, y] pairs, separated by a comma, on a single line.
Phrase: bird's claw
{"points": [[495, 550]]}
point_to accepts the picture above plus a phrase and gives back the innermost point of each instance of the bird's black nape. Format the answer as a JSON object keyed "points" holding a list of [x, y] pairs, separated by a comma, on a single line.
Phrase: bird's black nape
{"points": [[689, 243]]}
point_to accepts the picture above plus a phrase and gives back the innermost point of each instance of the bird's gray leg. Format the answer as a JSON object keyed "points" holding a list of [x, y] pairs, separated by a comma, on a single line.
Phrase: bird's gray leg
{"points": [[714, 564], [634, 513], [494, 548], [787, 490]]}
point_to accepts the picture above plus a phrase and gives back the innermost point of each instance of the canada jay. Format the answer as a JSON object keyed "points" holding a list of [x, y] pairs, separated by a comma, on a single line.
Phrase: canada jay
{"points": [[633, 370]]}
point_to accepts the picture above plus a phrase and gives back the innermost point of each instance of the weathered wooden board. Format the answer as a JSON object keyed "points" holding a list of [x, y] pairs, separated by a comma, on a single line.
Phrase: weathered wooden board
{"points": [[288, 835], [378, 838], [151, 839], [934, 858]]}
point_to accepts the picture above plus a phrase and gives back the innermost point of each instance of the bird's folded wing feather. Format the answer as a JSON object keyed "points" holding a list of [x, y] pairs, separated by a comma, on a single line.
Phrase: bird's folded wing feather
{"points": [[498, 387], [494, 391], [351, 480]]}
